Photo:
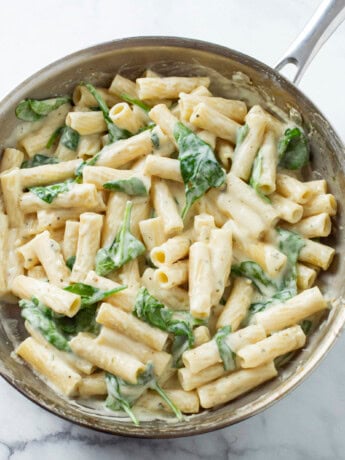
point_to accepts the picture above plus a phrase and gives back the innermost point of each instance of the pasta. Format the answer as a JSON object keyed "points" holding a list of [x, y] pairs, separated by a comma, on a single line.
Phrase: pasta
{"points": [[161, 243]]}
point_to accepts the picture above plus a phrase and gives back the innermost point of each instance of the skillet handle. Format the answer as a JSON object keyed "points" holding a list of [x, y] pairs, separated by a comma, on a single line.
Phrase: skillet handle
{"points": [[329, 15]]}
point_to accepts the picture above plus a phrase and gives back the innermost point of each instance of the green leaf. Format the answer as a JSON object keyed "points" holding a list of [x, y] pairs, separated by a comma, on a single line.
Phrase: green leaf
{"points": [[306, 325], [241, 134], [115, 133], [91, 295], [151, 310], [254, 180], [33, 109], [199, 167], [227, 355], [83, 321], [69, 138], [42, 318], [293, 149], [122, 395], [180, 344], [155, 140], [134, 101], [290, 244], [180, 324], [148, 380], [255, 273], [70, 262], [115, 401], [49, 192], [124, 248], [48, 105], [24, 111], [91, 162], [132, 186], [54, 137], [278, 297], [39, 160], [148, 127]]}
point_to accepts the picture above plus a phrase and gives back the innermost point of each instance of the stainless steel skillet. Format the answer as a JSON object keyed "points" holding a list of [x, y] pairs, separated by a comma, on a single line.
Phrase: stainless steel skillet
{"points": [[179, 56]]}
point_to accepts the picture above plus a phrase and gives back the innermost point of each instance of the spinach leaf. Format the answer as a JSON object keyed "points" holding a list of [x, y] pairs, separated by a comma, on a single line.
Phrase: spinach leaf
{"points": [[255, 177], [38, 160], [290, 244], [255, 273], [199, 168], [227, 355], [151, 310], [180, 324], [241, 134], [134, 101], [180, 344], [115, 133], [53, 137], [83, 321], [69, 138], [70, 262], [148, 127], [42, 318], [132, 186], [293, 149], [306, 325], [49, 192], [278, 297], [155, 140], [115, 400], [124, 248], [91, 162], [33, 109], [91, 295], [122, 395]]}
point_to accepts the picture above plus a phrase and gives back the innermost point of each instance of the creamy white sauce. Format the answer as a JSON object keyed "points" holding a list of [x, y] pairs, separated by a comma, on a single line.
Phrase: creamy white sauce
{"points": [[238, 87]]}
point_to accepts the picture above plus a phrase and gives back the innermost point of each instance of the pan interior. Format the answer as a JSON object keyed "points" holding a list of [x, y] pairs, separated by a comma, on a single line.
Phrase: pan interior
{"points": [[233, 76]]}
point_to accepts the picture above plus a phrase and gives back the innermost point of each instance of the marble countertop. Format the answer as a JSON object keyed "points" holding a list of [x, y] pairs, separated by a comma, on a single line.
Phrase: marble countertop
{"points": [[310, 422]]}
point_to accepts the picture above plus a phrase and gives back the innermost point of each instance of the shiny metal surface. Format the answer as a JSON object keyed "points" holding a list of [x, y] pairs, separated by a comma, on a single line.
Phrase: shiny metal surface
{"points": [[178, 56], [326, 19]]}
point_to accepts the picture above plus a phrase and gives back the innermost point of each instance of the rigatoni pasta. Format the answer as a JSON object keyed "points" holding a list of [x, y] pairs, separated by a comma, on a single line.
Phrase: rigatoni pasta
{"points": [[161, 243]]}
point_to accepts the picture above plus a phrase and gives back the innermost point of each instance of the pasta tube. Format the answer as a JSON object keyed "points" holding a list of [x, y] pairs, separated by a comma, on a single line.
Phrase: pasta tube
{"points": [[125, 323], [47, 363], [230, 387], [236, 110], [172, 250], [89, 238], [292, 311], [63, 302], [78, 195], [160, 359], [268, 349], [168, 87], [48, 252], [247, 150], [206, 355], [108, 358], [123, 299], [237, 305], [205, 117], [200, 280], [166, 208], [169, 276]]}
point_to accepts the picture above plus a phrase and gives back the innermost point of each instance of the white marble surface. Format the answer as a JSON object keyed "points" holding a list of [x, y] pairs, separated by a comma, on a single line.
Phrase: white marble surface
{"points": [[308, 424]]}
